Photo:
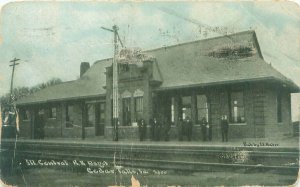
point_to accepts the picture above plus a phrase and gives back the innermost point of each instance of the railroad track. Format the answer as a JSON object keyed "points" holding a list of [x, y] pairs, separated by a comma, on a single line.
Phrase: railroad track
{"points": [[172, 157]]}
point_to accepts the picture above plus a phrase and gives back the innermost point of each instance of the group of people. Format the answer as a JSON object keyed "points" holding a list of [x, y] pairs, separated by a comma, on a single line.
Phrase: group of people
{"points": [[161, 131], [185, 129], [158, 131]]}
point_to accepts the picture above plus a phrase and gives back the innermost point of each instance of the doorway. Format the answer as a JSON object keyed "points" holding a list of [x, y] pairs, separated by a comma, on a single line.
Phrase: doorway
{"points": [[99, 118], [126, 111], [39, 124]]}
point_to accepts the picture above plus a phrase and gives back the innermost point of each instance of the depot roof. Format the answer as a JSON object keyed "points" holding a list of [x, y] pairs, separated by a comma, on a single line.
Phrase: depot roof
{"points": [[219, 60]]}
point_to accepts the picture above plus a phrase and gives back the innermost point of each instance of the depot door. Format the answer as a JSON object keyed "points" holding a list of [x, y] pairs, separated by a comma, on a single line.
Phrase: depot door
{"points": [[126, 111], [100, 118], [38, 124]]}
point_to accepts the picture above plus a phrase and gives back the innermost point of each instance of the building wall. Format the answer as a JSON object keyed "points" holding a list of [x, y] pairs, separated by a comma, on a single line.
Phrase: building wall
{"points": [[218, 98], [135, 79], [125, 132], [56, 127], [52, 126], [260, 107], [219, 102], [274, 128], [76, 130]]}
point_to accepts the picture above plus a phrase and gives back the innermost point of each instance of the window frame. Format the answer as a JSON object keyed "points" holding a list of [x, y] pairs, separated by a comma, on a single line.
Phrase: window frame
{"points": [[50, 112], [231, 108], [102, 112], [206, 108], [126, 99], [185, 106], [69, 123], [173, 110], [87, 125], [141, 107], [25, 115]]}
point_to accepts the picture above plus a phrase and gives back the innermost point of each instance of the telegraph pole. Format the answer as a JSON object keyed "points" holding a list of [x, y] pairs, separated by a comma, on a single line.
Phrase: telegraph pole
{"points": [[14, 64], [115, 119]]}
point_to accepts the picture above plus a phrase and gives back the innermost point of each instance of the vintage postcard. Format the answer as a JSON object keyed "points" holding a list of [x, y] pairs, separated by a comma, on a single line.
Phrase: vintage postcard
{"points": [[144, 93]]}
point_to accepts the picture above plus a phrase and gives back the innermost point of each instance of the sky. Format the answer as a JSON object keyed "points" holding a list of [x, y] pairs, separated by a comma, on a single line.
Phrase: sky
{"points": [[53, 38]]}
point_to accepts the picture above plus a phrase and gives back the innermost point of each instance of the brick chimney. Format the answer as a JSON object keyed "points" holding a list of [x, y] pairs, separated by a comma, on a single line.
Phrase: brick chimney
{"points": [[84, 66]]}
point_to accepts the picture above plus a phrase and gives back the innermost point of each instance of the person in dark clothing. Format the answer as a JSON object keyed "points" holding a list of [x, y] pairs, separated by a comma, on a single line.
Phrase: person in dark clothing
{"points": [[224, 128], [155, 128], [142, 129], [203, 128], [152, 129], [189, 128], [166, 129], [180, 128], [209, 131], [158, 129]]}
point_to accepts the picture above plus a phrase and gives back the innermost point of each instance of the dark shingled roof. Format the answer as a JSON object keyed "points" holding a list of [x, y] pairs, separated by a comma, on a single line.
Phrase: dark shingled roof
{"points": [[89, 85], [191, 63], [187, 64]]}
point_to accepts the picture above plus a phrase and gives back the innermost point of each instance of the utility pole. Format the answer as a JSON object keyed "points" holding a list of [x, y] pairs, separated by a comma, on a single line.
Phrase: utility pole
{"points": [[14, 64], [115, 119]]}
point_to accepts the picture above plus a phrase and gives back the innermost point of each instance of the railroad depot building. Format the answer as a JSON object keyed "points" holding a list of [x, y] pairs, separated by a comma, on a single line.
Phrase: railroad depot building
{"points": [[208, 78]]}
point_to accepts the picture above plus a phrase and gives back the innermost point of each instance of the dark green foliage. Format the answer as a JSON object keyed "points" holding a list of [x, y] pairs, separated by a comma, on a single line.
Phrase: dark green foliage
{"points": [[25, 91]]}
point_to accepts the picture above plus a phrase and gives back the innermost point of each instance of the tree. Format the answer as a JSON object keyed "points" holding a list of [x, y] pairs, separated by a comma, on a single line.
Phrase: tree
{"points": [[25, 91]]}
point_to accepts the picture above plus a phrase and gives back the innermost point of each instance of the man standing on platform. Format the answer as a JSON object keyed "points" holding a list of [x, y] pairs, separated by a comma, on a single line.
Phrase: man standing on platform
{"points": [[180, 128], [224, 128], [152, 129], [209, 131], [142, 129], [189, 126], [155, 129], [166, 129], [203, 128], [158, 130]]}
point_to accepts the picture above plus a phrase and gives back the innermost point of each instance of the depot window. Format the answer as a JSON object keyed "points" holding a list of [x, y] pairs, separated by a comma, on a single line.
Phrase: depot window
{"points": [[126, 102], [138, 105], [91, 115], [186, 107], [237, 107], [70, 116], [172, 110], [52, 112], [202, 108], [25, 115]]}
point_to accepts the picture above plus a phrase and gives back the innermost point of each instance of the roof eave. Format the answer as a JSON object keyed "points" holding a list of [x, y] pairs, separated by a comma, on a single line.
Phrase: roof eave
{"points": [[293, 87], [60, 99]]}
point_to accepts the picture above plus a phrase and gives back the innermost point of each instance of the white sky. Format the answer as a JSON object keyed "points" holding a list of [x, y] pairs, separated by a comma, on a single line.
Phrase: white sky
{"points": [[52, 38]]}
